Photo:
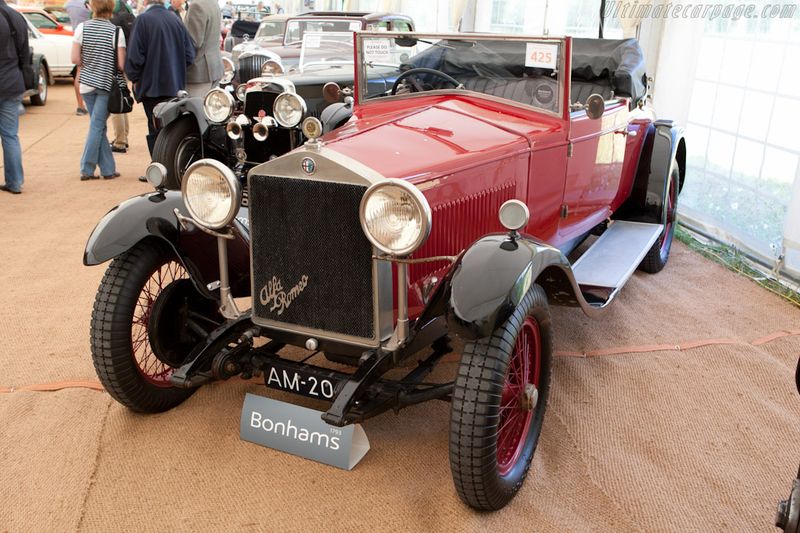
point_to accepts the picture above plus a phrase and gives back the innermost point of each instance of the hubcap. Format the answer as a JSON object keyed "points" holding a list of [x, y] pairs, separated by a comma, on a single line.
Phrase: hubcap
{"points": [[149, 365], [520, 396], [42, 84]]}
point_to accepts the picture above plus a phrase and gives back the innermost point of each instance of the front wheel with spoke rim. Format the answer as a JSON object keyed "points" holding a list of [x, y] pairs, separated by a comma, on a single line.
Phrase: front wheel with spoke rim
{"points": [[147, 318], [499, 400]]}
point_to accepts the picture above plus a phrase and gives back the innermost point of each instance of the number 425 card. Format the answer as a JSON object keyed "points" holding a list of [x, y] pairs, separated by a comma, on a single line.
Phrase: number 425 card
{"points": [[541, 55]]}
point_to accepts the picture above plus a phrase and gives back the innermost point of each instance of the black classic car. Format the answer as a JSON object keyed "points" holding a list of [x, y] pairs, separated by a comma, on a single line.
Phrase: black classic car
{"points": [[261, 119]]}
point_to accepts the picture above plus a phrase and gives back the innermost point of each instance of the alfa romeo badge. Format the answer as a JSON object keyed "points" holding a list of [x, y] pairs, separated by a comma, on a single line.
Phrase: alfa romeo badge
{"points": [[308, 164]]}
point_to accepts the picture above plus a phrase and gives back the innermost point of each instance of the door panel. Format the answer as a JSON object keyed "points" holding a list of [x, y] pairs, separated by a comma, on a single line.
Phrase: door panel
{"points": [[594, 170]]}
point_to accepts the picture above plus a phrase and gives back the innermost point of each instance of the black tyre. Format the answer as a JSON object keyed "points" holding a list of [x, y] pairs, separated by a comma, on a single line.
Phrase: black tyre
{"points": [[499, 401], [177, 146], [147, 317], [40, 98], [657, 256]]}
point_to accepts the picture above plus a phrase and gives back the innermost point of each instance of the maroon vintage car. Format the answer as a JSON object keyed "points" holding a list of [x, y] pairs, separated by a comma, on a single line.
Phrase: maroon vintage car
{"points": [[497, 176]]}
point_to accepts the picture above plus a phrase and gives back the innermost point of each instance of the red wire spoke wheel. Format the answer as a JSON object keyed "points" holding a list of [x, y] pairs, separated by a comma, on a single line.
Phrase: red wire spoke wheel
{"points": [[147, 317], [499, 400], [149, 365], [520, 395]]}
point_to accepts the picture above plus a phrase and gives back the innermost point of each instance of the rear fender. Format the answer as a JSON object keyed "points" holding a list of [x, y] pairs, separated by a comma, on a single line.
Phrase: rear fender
{"points": [[663, 145], [489, 280], [151, 216], [167, 112]]}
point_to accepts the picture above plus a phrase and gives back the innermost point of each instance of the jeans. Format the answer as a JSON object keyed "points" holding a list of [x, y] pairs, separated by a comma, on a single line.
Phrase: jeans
{"points": [[12, 152], [97, 151]]}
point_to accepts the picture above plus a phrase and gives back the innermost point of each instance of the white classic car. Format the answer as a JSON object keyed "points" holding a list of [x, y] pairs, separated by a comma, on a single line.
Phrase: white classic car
{"points": [[55, 48]]}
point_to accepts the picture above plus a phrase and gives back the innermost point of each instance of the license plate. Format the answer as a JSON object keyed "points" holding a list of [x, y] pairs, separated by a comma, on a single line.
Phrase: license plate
{"points": [[299, 381]]}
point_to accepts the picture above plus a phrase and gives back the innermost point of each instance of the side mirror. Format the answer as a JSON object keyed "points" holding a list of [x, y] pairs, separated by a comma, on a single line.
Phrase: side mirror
{"points": [[595, 106]]}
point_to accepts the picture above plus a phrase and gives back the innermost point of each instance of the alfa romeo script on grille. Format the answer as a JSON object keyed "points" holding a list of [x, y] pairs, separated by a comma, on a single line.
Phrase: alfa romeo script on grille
{"points": [[272, 294]]}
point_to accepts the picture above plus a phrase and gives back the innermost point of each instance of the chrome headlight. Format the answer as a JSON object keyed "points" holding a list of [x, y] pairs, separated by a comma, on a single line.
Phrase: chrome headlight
{"points": [[218, 105], [211, 192], [289, 109], [228, 71], [241, 92], [156, 174], [396, 217], [271, 68]]}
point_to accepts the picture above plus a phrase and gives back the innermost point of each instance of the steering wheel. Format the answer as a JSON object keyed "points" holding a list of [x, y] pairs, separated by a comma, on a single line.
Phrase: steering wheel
{"points": [[417, 86]]}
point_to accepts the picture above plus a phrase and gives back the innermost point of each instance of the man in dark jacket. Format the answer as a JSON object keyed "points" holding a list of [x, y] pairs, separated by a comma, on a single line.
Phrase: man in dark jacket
{"points": [[157, 56], [14, 52]]}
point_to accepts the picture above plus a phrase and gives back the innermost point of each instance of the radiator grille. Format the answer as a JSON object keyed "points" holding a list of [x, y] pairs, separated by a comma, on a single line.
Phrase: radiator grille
{"points": [[250, 67], [307, 237]]}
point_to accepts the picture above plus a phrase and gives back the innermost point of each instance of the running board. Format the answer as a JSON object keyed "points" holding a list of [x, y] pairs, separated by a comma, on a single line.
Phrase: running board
{"points": [[610, 262]]}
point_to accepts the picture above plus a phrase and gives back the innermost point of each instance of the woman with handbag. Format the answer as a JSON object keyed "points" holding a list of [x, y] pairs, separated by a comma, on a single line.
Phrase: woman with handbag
{"points": [[99, 48]]}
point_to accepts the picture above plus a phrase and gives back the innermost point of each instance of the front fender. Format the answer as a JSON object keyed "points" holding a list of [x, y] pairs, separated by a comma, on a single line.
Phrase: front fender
{"points": [[492, 277], [152, 215], [167, 112]]}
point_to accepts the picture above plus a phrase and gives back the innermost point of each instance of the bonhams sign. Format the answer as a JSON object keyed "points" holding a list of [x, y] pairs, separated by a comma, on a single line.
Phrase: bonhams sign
{"points": [[300, 431]]}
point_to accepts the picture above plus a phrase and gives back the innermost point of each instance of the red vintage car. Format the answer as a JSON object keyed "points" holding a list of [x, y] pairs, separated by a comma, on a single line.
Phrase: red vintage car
{"points": [[498, 176]]}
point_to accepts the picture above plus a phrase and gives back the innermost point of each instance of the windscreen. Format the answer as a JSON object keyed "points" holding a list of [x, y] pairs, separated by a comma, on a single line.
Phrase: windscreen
{"points": [[520, 70], [325, 49], [271, 30], [296, 28]]}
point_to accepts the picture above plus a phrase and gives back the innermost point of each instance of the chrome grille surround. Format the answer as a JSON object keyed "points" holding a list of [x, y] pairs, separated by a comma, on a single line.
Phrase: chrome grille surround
{"points": [[331, 168]]}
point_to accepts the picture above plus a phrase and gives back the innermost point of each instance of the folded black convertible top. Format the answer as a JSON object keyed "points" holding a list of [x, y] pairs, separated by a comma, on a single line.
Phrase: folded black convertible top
{"points": [[621, 61], [616, 64], [240, 28]]}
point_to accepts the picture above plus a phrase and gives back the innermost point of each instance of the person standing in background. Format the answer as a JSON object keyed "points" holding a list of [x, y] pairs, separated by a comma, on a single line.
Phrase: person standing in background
{"points": [[14, 51], [93, 49], [79, 13], [122, 18], [227, 10], [203, 22], [159, 52], [179, 8]]}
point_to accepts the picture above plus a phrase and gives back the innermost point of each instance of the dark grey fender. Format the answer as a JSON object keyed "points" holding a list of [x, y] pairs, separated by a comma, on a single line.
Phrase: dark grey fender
{"points": [[663, 144], [493, 276], [131, 221], [335, 115], [170, 111], [152, 215]]}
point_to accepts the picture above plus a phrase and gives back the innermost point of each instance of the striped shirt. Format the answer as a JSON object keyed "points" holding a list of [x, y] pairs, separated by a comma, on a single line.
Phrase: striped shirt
{"points": [[96, 37]]}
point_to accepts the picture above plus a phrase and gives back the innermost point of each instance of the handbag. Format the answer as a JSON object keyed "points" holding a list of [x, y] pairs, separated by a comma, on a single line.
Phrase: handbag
{"points": [[120, 100], [26, 67]]}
